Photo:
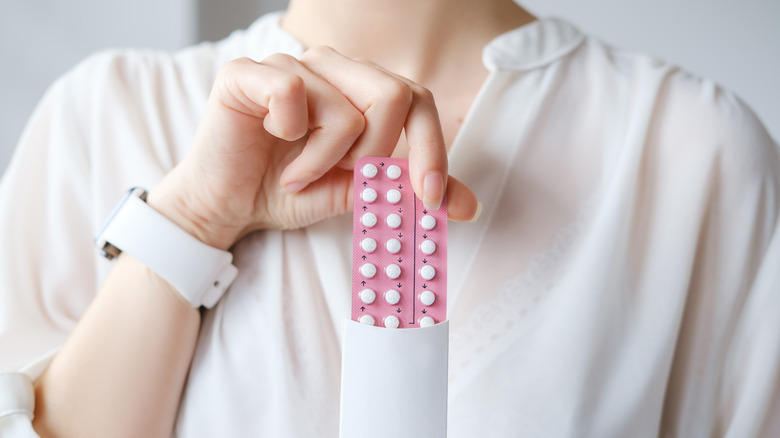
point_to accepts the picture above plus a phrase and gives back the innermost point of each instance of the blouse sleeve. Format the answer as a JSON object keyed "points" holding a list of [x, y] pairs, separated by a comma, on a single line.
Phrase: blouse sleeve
{"points": [[749, 390], [725, 380], [750, 393], [48, 266], [117, 120], [47, 261]]}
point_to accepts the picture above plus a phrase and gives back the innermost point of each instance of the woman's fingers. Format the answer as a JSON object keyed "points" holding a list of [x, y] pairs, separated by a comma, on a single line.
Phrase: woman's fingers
{"points": [[390, 103], [462, 204], [333, 124], [348, 109], [267, 92], [427, 150], [294, 102], [383, 99]]}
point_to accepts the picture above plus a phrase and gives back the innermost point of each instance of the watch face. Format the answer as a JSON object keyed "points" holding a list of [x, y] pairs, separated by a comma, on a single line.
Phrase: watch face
{"points": [[107, 250]]}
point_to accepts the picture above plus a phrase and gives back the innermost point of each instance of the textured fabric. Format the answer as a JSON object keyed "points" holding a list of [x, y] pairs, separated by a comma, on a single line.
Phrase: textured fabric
{"points": [[623, 280]]}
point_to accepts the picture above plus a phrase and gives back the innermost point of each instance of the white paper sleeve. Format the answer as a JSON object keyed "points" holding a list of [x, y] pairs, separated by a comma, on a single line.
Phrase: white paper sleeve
{"points": [[394, 382]]}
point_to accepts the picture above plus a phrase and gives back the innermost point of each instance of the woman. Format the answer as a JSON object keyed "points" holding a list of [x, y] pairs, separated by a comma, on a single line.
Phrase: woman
{"points": [[622, 279]]}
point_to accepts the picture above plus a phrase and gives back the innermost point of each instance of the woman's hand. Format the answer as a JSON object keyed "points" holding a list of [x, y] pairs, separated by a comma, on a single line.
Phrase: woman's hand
{"points": [[279, 138]]}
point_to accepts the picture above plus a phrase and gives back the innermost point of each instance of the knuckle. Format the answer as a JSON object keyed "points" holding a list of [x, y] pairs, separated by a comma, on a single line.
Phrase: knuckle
{"points": [[280, 60], [398, 92], [352, 123], [232, 68], [421, 92], [229, 77], [287, 85]]}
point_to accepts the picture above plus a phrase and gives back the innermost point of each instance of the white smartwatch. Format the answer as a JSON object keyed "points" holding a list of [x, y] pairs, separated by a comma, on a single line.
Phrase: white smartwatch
{"points": [[199, 272]]}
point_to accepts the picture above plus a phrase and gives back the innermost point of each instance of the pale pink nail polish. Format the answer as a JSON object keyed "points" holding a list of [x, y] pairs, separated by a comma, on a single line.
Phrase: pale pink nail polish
{"points": [[433, 190]]}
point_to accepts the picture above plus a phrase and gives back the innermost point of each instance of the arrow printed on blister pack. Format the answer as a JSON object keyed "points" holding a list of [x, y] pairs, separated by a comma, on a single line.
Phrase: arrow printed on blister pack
{"points": [[399, 260], [424, 311], [425, 286], [399, 310], [362, 308], [364, 257], [365, 183], [425, 236]]}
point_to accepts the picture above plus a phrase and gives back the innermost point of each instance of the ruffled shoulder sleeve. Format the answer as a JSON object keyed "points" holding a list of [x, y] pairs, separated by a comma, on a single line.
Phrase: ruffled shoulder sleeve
{"points": [[732, 316], [117, 120]]}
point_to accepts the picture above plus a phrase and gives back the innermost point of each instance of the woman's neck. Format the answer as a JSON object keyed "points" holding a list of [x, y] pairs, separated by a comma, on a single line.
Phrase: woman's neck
{"points": [[418, 39]]}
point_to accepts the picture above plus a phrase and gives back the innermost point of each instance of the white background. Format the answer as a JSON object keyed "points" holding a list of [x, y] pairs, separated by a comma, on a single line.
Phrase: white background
{"points": [[735, 42]]}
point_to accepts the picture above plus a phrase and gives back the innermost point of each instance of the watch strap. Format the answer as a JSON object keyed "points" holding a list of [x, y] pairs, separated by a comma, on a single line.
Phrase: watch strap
{"points": [[199, 272]]}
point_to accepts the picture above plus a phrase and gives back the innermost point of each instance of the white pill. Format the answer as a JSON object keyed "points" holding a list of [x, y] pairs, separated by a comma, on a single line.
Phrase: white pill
{"points": [[392, 296], [368, 296], [369, 170], [393, 271], [368, 244], [428, 222], [427, 297], [426, 321], [427, 272], [393, 196], [368, 219], [368, 270], [393, 172], [393, 221], [369, 195], [393, 245], [391, 321], [369, 320], [427, 247]]}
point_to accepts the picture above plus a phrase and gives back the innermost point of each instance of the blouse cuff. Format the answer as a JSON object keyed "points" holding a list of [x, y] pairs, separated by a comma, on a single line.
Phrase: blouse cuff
{"points": [[17, 395], [17, 398], [17, 404]]}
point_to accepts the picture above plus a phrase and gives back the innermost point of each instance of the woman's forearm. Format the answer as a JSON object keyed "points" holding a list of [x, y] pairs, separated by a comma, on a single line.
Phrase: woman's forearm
{"points": [[122, 370]]}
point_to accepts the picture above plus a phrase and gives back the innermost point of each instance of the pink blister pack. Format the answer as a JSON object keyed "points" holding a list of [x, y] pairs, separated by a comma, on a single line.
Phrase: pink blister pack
{"points": [[399, 249]]}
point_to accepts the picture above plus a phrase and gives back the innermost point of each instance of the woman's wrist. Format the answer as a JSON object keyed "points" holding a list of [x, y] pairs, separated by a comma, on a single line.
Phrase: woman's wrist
{"points": [[191, 216]]}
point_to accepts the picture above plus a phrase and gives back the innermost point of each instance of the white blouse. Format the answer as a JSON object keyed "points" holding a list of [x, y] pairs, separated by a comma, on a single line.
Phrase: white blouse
{"points": [[623, 280]]}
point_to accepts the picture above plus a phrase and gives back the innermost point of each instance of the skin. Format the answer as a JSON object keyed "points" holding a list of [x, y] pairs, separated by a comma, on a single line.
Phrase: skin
{"points": [[274, 150]]}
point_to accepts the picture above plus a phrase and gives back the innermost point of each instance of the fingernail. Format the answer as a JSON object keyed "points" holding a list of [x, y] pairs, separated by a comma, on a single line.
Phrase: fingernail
{"points": [[294, 187], [478, 213], [433, 190]]}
